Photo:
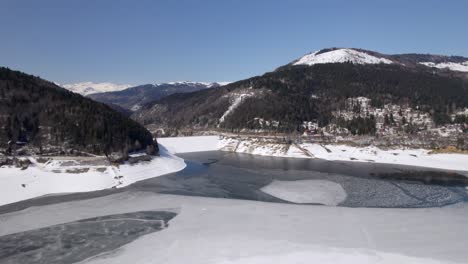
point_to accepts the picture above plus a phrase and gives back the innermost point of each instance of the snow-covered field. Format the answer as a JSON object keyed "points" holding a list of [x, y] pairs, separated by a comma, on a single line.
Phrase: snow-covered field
{"points": [[60, 176], [210, 230], [411, 157], [189, 144]]}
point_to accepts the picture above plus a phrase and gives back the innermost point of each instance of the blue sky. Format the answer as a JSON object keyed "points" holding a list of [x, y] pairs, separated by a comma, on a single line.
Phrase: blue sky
{"points": [[214, 40]]}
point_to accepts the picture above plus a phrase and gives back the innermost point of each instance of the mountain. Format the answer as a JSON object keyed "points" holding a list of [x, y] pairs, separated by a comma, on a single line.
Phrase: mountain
{"points": [[341, 55], [38, 116], [87, 88], [361, 56], [318, 89], [133, 98]]}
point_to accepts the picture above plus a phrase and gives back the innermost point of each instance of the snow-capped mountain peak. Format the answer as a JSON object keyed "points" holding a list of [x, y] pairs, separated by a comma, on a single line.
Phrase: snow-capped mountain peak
{"points": [[340, 56], [87, 88]]}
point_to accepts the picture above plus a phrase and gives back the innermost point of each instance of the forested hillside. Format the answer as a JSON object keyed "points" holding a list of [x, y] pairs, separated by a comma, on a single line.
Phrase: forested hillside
{"points": [[44, 117], [297, 93]]}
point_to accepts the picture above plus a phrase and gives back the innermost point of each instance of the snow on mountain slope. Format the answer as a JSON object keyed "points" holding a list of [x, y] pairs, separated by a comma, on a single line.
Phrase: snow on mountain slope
{"points": [[339, 56], [86, 88], [462, 67], [236, 99]]}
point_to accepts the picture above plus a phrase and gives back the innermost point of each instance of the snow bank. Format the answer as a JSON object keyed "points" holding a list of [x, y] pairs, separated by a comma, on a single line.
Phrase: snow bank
{"points": [[307, 191], [260, 146], [211, 230], [410, 157], [52, 178], [189, 144], [340, 56]]}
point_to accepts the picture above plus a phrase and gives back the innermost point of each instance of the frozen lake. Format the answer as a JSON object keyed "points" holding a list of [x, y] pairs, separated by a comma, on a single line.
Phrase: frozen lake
{"points": [[34, 232]]}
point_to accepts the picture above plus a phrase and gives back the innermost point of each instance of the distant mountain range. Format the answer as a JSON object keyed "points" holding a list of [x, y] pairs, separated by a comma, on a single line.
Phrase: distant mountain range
{"points": [[314, 88], [87, 88], [135, 97]]}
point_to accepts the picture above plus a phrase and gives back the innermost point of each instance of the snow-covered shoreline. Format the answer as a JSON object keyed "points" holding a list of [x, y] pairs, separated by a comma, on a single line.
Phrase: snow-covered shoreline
{"points": [[410, 157], [331, 152], [52, 178], [68, 174], [189, 144], [58, 176]]}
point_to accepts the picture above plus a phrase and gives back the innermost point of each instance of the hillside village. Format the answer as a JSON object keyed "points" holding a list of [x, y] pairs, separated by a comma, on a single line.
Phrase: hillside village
{"points": [[396, 119], [394, 123], [362, 123]]}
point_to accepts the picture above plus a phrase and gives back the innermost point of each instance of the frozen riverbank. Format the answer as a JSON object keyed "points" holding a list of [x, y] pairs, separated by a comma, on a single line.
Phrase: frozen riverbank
{"points": [[190, 144], [265, 147], [411, 157], [66, 175]]}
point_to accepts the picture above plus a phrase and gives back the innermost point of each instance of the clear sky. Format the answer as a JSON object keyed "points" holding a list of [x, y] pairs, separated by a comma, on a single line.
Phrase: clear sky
{"points": [[139, 42]]}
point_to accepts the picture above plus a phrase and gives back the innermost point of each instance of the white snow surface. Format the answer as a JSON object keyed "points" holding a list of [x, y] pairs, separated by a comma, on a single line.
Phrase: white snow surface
{"points": [[189, 144], [52, 178], [307, 191], [340, 56], [224, 231], [87, 88], [462, 67], [411, 157]]}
